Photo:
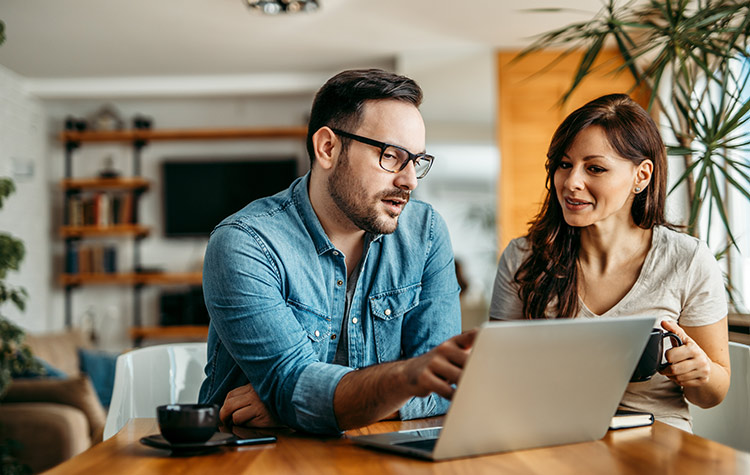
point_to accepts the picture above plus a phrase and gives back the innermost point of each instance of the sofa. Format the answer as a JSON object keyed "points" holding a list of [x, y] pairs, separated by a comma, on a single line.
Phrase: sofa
{"points": [[53, 419]]}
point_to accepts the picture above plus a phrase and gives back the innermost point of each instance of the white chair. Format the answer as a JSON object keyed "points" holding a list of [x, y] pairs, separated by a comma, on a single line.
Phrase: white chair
{"points": [[729, 422], [149, 377]]}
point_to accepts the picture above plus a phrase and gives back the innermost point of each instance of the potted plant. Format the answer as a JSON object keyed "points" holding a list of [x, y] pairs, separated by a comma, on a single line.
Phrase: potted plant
{"points": [[15, 356], [692, 55]]}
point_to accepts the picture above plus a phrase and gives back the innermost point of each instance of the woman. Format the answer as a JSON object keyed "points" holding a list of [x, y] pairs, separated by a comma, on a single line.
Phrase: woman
{"points": [[601, 247]]}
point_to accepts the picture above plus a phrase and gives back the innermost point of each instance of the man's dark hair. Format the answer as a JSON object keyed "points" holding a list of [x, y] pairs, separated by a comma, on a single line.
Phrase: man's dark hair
{"points": [[340, 102]]}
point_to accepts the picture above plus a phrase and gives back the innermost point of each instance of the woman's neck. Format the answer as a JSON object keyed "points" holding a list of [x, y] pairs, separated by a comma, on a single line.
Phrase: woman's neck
{"points": [[604, 249]]}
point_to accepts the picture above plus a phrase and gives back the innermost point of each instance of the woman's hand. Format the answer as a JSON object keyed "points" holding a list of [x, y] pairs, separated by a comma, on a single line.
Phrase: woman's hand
{"points": [[701, 364], [243, 407], [690, 366]]}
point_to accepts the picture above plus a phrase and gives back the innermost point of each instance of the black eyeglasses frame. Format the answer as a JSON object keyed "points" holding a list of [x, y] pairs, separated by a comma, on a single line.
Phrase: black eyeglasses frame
{"points": [[412, 157]]}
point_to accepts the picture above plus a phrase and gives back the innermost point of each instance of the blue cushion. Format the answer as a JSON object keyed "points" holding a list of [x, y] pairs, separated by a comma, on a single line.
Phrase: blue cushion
{"points": [[100, 367], [49, 371]]}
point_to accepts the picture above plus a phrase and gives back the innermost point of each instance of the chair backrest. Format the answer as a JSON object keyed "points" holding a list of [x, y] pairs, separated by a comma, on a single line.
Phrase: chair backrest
{"points": [[149, 377], [729, 422]]}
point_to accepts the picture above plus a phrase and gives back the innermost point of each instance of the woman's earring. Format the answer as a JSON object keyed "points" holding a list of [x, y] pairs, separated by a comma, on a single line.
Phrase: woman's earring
{"points": [[637, 189]]}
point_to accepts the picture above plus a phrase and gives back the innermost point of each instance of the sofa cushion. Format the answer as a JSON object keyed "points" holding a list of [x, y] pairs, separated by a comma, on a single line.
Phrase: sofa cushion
{"points": [[76, 392], [48, 433], [47, 371], [60, 349], [100, 368]]}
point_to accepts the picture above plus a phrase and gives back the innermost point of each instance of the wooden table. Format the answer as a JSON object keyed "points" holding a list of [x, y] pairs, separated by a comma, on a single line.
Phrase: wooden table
{"points": [[659, 449]]}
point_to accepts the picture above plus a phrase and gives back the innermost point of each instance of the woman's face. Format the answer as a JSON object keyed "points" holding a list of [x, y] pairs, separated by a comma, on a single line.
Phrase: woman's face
{"points": [[594, 185]]}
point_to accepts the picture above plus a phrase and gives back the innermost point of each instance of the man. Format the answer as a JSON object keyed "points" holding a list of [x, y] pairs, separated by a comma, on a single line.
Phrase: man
{"points": [[331, 302]]}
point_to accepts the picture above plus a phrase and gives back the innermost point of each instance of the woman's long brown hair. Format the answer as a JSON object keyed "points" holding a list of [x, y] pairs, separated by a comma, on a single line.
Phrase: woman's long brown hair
{"points": [[548, 278]]}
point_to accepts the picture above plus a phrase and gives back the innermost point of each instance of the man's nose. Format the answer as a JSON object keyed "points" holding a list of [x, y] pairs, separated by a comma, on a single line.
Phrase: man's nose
{"points": [[406, 179]]}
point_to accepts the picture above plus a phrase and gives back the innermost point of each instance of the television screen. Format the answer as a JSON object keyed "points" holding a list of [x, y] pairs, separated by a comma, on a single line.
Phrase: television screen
{"points": [[199, 194]]}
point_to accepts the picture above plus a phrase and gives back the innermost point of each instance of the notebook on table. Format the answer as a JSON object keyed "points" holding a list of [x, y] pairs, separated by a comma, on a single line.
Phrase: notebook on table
{"points": [[531, 383]]}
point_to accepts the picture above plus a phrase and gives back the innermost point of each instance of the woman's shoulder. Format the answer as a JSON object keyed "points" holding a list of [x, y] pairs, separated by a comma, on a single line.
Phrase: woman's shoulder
{"points": [[673, 245], [513, 255], [677, 240], [518, 246]]}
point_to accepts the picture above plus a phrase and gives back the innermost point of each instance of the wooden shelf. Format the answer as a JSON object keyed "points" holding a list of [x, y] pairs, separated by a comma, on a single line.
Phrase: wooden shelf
{"points": [[104, 231], [133, 278], [132, 186], [99, 279], [171, 278], [293, 132], [96, 183], [194, 332]]}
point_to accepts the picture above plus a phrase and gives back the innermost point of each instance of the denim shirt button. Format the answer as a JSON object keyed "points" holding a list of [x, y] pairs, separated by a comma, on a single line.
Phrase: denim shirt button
{"points": [[387, 311], [333, 337], [339, 282], [354, 320], [335, 253], [317, 333]]}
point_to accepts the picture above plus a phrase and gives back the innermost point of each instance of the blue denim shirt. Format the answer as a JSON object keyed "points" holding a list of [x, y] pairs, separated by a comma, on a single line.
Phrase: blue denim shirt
{"points": [[275, 288]]}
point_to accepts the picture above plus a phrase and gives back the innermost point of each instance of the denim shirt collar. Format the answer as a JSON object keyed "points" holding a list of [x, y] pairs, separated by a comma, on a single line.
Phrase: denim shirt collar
{"points": [[301, 196]]}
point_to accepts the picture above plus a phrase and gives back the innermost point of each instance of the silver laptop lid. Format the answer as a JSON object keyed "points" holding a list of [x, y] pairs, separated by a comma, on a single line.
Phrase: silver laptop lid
{"points": [[535, 383]]}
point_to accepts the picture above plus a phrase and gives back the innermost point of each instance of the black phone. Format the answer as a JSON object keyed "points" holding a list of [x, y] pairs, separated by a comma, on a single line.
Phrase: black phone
{"points": [[246, 436], [260, 439]]}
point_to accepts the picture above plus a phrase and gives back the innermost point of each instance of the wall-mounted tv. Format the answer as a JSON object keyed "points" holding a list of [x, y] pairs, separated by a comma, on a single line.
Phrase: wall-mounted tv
{"points": [[198, 194]]}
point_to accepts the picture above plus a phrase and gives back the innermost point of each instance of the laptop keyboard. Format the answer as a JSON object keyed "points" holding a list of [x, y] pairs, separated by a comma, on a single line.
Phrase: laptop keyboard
{"points": [[426, 444]]}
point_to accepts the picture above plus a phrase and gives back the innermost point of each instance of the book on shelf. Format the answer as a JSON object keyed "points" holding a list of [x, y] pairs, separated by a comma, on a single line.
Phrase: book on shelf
{"points": [[97, 259], [91, 259], [125, 208], [625, 419], [110, 259], [115, 210], [101, 209], [75, 211], [84, 260], [71, 259]]}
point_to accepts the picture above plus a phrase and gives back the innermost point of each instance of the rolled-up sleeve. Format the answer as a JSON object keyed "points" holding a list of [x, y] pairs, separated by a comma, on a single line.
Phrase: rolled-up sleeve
{"points": [[313, 397]]}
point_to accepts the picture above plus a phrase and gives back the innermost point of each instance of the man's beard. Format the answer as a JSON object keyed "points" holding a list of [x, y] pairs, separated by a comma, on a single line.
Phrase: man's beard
{"points": [[349, 195]]}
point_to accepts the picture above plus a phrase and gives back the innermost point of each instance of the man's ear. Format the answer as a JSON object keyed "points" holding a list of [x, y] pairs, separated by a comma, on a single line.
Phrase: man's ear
{"points": [[326, 146]]}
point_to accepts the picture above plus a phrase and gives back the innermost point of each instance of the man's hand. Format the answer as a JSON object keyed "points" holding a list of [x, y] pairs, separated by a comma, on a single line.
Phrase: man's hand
{"points": [[243, 407], [440, 368], [372, 393], [376, 392]]}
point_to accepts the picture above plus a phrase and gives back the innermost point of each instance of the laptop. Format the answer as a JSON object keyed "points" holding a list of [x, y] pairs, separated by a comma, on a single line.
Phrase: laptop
{"points": [[531, 383]]}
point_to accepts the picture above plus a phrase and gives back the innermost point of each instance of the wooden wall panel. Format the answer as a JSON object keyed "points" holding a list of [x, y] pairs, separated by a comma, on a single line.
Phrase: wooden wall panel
{"points": [[528, 114]]}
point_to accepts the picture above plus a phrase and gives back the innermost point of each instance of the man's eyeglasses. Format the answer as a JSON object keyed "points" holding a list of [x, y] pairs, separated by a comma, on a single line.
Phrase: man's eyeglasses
{"points": [[392, 157]]}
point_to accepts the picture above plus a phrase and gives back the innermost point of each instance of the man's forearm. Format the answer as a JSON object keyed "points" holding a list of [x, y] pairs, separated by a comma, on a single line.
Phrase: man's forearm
{"points": [[370, 394], [373, 393], [367, 395]]}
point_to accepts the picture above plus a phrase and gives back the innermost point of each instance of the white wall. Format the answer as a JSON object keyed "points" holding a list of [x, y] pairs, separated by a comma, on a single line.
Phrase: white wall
{"points": [[26, 215]]}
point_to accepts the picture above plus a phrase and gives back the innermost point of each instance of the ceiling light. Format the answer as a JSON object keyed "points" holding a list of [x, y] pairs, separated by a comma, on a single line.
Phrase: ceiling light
{"points": [[275, 7]]}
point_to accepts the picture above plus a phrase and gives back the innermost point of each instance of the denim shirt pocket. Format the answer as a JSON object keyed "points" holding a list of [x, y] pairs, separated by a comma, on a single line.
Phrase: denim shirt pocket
{"points": [[388, 310], [316, 324]]}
